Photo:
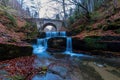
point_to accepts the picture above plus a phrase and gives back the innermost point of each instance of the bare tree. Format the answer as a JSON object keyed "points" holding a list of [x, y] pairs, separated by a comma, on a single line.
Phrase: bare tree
{"points": [[115, 3], [4, 2]]}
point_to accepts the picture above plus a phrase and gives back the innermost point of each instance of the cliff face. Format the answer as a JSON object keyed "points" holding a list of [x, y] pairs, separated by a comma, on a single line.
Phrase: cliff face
{"points": [[13, 31]]}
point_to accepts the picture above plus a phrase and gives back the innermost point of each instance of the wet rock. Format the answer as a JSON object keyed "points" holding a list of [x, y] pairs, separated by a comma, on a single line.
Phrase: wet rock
{"points": [[60, 70], [57, 44], [48, 76], [100, 45], [78, 44]]}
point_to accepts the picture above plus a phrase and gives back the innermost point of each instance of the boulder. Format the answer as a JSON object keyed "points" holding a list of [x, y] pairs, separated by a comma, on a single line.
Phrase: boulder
{"points": [[98, 45], [57, 44]]}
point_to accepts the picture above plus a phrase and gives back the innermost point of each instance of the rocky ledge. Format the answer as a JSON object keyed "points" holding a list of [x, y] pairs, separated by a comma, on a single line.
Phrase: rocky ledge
{"points": [[13, 50]]}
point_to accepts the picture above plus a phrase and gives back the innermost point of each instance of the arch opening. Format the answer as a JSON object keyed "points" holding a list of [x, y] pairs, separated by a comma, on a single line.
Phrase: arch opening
{"points": [[49, 27]]}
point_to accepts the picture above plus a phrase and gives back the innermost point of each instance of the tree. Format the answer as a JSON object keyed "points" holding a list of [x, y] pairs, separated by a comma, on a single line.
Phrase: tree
{"points": [[57, 17], [115, 3], [4, 2]]}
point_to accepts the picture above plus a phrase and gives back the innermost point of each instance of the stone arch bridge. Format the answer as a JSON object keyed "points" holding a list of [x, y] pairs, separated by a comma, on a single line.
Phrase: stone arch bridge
{"points": [[42, 23]]}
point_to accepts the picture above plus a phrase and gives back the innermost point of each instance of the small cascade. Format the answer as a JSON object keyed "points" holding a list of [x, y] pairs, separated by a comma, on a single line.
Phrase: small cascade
{"points": [[69, 45], [48, 34], [63, 33], [40, 47], [55, 34]]}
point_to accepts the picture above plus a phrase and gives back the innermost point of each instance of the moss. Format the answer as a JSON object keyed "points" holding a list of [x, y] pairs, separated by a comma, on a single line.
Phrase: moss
{"points": [[117, 20], [17, 77], [78, 30], [93, 43], [12, 19], [112, 26], [88, 28], [30, 29], [117, 31]]}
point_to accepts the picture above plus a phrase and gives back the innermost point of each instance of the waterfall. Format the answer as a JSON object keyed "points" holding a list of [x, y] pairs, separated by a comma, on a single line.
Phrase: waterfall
{"points": [[40, 47], [48, 34], [69, 45], [55, 34], [63, 33]]}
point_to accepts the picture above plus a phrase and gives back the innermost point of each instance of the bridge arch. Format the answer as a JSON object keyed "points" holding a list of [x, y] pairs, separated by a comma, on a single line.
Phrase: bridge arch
{"points": [[49, 24], [42, 23]]}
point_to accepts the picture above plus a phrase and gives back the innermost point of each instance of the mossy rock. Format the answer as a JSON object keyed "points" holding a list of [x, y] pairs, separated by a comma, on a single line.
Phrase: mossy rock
{"points": [[117, 31], [57, 44], [9, 51], [92, 43], [112, 26], [104, 43]]}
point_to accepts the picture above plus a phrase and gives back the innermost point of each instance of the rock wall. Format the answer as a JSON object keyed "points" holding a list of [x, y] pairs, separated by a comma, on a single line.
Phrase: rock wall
{"points": [[10, 51]]}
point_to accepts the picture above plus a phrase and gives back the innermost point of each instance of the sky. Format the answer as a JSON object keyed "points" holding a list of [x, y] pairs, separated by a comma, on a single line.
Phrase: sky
{"points": [[46, 9]]}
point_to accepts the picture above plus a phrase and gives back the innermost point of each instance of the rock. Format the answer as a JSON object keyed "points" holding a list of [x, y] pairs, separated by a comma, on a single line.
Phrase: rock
{"points": [[57, 44], [60, 70], [98, 45], [10, 51], [78, 44]]}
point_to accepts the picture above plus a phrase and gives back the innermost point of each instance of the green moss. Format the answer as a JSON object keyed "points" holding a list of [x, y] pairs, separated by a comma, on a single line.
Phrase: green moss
{"points": [[95, 15], [12, 19], [17, 77], [71, 20], [117, 31], [93, 43], [79, 29], [112, 26], [88, 28], [33, 31]]}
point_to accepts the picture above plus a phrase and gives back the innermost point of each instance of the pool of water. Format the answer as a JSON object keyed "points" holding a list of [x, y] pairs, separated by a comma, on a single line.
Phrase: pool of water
{"points": [[75, 66]]}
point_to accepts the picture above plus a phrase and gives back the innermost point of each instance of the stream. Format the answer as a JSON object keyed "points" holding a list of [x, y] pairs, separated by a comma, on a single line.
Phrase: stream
{"points": [[71, 66]]}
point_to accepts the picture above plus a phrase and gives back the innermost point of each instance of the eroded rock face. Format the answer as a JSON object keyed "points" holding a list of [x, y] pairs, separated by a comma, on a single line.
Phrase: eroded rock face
{"points": [[78, 44], [98, 45], [57, 44], [10, 51]]}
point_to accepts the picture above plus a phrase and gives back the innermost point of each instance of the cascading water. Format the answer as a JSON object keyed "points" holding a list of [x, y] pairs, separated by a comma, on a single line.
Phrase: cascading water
{"points": [[55, 34], [63, 33], [48, 34], [41, 45], [69, 45]]}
